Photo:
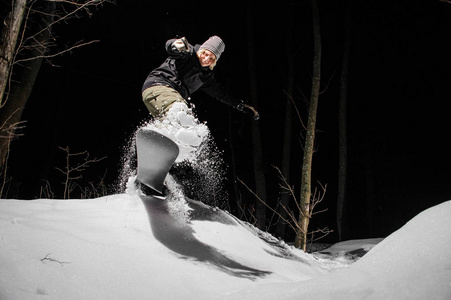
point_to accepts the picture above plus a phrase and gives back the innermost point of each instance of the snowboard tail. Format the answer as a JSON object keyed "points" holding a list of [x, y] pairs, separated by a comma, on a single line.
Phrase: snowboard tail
{"points": [[156, 154]]}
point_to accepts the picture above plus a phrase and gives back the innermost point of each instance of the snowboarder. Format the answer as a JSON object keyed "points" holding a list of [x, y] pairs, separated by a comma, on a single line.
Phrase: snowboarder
{"points": [[166, 93], [187, 69]]}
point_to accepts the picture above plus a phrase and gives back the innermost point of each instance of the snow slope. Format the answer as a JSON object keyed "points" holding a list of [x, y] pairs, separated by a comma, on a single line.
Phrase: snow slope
{"points": [[129, 246]]}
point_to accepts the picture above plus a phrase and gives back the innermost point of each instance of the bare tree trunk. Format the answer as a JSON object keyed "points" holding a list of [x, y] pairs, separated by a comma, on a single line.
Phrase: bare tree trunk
{"points": [[342, 130], [11, 112], [32, 48], [10, 34], [260, 181], [304, 217]]}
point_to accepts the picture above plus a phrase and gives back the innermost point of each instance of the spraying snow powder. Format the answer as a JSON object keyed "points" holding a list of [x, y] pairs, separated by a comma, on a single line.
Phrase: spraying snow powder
{"points": [[184, 129], [199, 169]]}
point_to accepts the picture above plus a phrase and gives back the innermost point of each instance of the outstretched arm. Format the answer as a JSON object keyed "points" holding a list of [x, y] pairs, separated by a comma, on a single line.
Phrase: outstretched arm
{"points": [[217, 91]]}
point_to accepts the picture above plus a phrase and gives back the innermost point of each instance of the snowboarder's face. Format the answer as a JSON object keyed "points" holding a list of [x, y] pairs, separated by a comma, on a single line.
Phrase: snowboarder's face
{"points": [[207, 58]]}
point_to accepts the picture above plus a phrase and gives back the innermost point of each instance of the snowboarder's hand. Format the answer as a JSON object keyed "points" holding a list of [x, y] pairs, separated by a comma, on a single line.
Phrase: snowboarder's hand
{"points": [[248, 110], [181, 45]]}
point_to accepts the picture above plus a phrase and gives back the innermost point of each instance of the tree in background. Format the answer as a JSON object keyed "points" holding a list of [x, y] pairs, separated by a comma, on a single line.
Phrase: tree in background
{"points": [[27, 41], [10, 34], [306, 185]]}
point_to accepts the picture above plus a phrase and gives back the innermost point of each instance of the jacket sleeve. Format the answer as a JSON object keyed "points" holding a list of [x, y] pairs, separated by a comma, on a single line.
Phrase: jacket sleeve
{"points": [[217, 91]]}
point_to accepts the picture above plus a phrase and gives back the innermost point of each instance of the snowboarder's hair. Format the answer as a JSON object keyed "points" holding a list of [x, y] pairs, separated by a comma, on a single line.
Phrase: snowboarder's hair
{"points": [[199, 53]]}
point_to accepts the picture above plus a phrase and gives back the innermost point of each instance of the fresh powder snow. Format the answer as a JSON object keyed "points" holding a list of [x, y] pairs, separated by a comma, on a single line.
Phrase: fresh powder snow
{"points": [[105, 248]]}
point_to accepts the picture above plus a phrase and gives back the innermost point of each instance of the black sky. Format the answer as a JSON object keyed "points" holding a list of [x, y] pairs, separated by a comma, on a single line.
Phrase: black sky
{"points": [[397, 111]]}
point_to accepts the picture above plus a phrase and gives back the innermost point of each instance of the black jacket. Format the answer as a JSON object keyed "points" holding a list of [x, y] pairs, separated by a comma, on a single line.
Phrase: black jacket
{"points": [[183, 72]]}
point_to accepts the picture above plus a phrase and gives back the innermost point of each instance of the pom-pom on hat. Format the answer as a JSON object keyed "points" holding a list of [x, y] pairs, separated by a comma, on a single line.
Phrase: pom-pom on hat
{"points": [[215, 45]]}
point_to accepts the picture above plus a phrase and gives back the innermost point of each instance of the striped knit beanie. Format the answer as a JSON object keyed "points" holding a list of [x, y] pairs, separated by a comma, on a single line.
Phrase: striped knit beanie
{"points": [[215, 45]]}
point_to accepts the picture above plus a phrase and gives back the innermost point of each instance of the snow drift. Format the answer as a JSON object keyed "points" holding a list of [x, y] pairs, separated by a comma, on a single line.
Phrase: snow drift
{"points": [[129, 246]]}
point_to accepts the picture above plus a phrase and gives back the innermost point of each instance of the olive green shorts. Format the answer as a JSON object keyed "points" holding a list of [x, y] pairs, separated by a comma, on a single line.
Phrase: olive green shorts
{"points": [[158, 99]]}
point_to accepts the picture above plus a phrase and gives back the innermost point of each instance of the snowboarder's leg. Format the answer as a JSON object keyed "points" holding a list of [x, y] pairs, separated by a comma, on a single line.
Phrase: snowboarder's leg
{"points": [[159, 99]]}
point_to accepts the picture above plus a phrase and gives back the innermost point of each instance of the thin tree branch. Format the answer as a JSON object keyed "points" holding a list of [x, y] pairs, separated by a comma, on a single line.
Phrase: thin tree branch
{"points": [[56, 54], [54, 260]]}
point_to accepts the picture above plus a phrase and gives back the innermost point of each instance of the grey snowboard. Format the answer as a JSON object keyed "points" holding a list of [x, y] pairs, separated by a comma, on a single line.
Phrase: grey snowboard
{"points": [[155, 154]]}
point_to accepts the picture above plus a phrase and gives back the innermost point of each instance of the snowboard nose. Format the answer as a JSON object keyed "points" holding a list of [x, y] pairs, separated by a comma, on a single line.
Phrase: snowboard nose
{"points": [[156, 154]]}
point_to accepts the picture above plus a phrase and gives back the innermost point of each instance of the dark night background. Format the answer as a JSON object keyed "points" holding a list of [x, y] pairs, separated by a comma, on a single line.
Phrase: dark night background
{"points": [[397, 107]]}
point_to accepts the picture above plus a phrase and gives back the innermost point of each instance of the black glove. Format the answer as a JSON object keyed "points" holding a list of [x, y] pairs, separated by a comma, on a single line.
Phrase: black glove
{"points": [[180, 45], [245, 108]]}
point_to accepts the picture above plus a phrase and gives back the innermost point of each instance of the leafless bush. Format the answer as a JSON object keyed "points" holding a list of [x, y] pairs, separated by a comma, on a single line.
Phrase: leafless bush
{"points": [[292, 220], [74, 172], [46, 191]]}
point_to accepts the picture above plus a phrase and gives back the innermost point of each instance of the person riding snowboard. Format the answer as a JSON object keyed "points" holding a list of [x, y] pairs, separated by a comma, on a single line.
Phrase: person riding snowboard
{"points": [[187, 69], [165, 93]]}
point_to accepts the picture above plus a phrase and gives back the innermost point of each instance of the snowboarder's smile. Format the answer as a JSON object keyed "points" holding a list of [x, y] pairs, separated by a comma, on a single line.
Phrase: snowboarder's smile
{"points": [[207, 58]]}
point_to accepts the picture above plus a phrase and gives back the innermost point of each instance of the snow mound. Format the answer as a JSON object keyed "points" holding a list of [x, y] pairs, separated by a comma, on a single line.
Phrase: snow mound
{"points": [[412, 263], [358, 248], [105, 249]]}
